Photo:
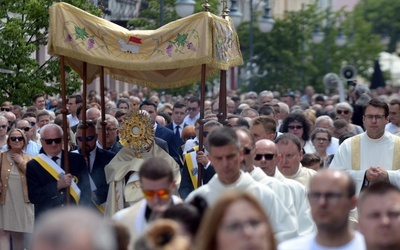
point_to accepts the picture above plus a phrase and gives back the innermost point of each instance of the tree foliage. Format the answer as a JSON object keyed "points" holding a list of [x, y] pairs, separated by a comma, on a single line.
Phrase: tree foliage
{"points": [[24, 29], [383, 16], [293, 61]]}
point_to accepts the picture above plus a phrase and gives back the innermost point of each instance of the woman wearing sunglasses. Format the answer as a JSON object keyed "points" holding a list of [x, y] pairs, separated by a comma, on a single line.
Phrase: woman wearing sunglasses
{"points": [[16, 212], [297, 124], [345, 111]]}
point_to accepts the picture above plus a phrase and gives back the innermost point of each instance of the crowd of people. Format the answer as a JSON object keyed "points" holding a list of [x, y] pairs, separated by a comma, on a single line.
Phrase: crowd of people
{"points": [[297, 171]]}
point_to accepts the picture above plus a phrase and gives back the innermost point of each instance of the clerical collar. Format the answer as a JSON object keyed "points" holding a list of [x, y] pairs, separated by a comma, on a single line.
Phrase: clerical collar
{"points": [[148, 212]]}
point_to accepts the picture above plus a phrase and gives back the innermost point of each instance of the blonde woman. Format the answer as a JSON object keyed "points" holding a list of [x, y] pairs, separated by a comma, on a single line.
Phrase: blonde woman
{"points": [[16, 212], [226, 227]]}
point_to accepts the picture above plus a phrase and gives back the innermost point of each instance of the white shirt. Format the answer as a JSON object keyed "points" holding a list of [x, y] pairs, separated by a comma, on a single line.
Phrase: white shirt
{"points": [[301, 204], [282, 191], [303, 175], [309, 147], [73, 120], [283, 224], [190, 144], [174, 125], [190, 121], [310, 243], [333, 146], [391, 128]]}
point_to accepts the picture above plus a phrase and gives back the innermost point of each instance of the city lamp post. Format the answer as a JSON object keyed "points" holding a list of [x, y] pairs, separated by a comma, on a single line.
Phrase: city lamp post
{"points": [[265, 25], [318, 37], [184, 8]]}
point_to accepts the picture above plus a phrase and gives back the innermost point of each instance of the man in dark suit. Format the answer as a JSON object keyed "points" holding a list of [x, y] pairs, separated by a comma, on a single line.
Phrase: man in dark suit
{"points": [[97, 159], [47, 182], [177, 124], [162, 132], [188, 172]]}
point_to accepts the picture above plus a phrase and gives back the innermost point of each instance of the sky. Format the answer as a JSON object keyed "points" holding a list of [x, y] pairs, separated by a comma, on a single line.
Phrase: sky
{"points": [[337, 4]]}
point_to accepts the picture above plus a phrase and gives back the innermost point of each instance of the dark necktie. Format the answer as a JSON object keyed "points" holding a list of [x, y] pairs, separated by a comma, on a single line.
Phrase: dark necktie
{"points": [[88, 161], [177, 134], [55, 158]]}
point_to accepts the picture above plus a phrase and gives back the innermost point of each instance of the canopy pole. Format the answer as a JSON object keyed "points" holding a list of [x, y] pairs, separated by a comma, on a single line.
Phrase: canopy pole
{"points": [[84, 101], [64, 112], [222, 80], [103, 109], [222, 98], [201, 122]]}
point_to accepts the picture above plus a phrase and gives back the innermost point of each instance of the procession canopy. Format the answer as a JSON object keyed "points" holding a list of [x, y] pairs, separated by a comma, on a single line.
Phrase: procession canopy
{"points": [[168, 57]]}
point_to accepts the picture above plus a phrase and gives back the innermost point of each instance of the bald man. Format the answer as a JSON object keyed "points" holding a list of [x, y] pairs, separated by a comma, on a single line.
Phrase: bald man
{"points": [[266, 158]]}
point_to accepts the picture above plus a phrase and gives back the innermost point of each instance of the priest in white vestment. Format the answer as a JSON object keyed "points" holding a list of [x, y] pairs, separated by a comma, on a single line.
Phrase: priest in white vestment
{"points": [[157, 182], [373, 155], [291, 153], [122, 175], [226, 156], [267, 163], [247, 143]]}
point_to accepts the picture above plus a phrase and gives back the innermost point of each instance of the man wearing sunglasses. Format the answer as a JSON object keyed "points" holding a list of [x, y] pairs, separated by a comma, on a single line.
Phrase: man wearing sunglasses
{"points": [[305, 223], [97, 159], [46, 176], [157, 181], [193, 109], [226, 156], [266, 157]]}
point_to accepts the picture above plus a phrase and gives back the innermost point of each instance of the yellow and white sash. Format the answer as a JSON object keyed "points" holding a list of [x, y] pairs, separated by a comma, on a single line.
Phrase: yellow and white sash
{"points": [[56, 171], [191, 163]]}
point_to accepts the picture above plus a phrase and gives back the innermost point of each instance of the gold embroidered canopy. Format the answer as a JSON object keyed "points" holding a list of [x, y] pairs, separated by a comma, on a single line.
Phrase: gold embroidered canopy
{"points": [[168, 57]]}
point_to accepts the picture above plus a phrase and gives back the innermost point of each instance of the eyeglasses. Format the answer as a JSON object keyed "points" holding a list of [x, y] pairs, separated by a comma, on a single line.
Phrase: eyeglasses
{"points": [[205, 134], [161, 193], [339, 112], [26, 129], [190, 137], [295, 127], [32, 124], [5, 109], [50, 141], [330, 197], [238, 227], [377, 117], [19, 138], [3, 126], [267, 157], [88, 138], [110, 129], [320, 139], [191, 109], [246, 150]]}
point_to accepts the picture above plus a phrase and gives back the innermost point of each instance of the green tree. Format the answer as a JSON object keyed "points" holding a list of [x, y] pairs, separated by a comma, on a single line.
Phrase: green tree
{"points": [[293, 61], [383, 15], [24, 28]]}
